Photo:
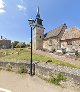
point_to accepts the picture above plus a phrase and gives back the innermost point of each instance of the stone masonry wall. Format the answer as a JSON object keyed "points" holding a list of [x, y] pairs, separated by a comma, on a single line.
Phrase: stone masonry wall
{"points": [[15, 64], [38, 38], [75, 44], [5, 44], [46, 43], [45, 69]]}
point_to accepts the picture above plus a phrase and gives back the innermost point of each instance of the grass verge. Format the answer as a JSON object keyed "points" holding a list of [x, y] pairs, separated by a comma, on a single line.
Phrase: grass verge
{"points": [[23, 54]]}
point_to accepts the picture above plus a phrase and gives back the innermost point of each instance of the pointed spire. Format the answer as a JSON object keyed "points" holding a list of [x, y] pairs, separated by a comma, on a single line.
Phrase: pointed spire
{"points": [[38, 14], [38, 10]]}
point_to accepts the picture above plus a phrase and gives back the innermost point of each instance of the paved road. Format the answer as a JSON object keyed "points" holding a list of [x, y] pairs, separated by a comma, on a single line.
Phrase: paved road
{"points": [[25, 83]]}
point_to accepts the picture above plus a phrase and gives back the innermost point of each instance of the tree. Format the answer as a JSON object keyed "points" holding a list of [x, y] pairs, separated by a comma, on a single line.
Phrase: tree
{"points": [[14, 43], [27, 45], [21, 45]]}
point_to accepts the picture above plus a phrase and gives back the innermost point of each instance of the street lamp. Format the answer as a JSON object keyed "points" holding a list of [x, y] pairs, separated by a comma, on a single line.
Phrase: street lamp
{"points": [[31, 23]]}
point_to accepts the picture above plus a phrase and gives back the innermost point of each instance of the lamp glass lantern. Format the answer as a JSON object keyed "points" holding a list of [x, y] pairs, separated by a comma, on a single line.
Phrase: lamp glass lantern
{"points": [[31, 22]]}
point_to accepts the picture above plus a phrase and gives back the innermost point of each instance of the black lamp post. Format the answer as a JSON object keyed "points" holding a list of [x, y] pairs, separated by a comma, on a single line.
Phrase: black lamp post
{"points": [[31, 23]]}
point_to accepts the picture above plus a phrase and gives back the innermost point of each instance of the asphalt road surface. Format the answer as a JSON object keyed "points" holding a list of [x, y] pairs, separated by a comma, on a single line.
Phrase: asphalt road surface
{"points": [[25, 83]]}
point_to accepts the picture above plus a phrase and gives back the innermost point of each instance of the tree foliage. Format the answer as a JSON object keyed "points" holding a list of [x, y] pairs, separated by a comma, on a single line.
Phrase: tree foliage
{"points": [[21, 45], [17, 44], [14, 43]]}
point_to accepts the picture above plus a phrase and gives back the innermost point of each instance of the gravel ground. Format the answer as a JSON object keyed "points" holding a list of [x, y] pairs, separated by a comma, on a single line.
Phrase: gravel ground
{"points": [[25, 83]]}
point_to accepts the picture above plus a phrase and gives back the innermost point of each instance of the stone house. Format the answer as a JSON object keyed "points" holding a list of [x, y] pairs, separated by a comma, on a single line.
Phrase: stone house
{"points": [[4, 43], [71, 39], [62, 37], [52, 39]]}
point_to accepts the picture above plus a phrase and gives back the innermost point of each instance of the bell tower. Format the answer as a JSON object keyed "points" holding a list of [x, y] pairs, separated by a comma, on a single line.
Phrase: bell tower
{"points": [[38, 34]]}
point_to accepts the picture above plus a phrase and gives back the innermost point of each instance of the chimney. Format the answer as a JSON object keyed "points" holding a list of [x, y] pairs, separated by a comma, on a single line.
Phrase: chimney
{"points": [[1, 37]]}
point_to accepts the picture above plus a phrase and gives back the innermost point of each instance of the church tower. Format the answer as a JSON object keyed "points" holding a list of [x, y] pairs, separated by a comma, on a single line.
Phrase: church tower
{"points": [[38, 34]]}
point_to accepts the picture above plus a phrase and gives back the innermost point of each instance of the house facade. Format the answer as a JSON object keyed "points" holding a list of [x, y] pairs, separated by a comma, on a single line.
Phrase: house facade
{"points": [[52, 39], [71, 39], [4, 43]]}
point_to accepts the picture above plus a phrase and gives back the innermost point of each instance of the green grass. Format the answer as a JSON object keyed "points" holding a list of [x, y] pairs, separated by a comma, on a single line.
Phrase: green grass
{"points": [[56, 80], [8, 67], [22, 70], [24, 54]]}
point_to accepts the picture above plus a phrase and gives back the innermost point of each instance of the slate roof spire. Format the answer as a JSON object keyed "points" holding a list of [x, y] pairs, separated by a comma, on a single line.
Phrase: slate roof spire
{"points": [[38, 13], [38, 19]]}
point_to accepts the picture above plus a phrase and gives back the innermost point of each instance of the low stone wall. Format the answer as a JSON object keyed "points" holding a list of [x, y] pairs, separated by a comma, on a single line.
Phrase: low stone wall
{"points": [[45, 69], [48, 70], [15, 65]]}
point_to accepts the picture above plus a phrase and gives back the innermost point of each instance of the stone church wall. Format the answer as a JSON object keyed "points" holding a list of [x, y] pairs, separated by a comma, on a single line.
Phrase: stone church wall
{"points": [[56, 41], [54, 44], [38, 38], [48, 45], [45, 44]]}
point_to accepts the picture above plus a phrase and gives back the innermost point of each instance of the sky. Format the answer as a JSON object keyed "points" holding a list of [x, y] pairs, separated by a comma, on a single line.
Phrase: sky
{"points": [[14, 15]]}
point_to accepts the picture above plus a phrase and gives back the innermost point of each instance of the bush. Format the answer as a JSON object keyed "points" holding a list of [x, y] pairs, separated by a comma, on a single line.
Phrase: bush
{"points": [[0, 68], [44, 49], [8, 67], [57, 79], [14, 44], [48, 61], [76, 53], [22, 70], [21, 45], [63, 51], [54, 50], [21, 49], [27, 45]]}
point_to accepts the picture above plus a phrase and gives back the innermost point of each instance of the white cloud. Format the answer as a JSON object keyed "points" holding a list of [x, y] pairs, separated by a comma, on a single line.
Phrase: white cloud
{"points": [[2, 5], [21, 7], [2, 10]]}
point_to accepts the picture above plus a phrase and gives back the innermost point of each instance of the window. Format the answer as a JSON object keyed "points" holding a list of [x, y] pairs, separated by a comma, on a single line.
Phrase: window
{"points": [[69, 42], [40, 36]]}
